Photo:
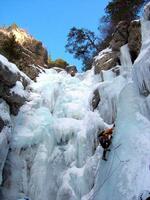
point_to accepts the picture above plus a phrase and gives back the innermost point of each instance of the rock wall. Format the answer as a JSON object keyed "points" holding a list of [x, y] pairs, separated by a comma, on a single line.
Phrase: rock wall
{"points": [[125, 33], [12, 85], [32, 54], [13, 94]]}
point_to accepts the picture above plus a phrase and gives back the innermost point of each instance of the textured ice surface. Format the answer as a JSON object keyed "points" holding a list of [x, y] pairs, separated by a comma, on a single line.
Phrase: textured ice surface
{"points": [[19, 89], [141, 72], [54, 150], [5, 135], [54, 140], [128, 161]]}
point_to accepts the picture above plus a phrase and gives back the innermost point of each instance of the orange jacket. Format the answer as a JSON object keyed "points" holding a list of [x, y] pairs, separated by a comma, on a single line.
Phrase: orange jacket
{"points": [[108, 131], [107, 134]]}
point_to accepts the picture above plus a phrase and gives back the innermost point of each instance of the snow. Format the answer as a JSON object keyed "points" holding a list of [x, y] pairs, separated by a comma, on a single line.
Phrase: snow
{"points": [[4, 108], [103, 53], [108, 75], [12, 67], [19, 89]]}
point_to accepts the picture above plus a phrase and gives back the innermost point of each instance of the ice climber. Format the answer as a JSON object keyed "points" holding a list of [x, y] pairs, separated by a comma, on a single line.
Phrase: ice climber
{"points": [[105, 140]]}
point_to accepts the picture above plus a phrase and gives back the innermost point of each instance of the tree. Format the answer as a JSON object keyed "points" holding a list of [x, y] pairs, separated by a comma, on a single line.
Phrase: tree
{"points": [[116, 11], [106, 29], [13, 26], [61, 63], [83, 44], [11, 49], [57, 63]]}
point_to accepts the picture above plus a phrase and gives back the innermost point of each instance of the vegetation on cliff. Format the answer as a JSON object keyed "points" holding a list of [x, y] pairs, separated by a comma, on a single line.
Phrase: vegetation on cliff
{"points": [[84, 44]]}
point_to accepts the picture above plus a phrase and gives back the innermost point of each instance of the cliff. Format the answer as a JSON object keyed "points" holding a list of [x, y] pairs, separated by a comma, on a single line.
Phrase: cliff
{"points": [[22, 49], [125, 33]]}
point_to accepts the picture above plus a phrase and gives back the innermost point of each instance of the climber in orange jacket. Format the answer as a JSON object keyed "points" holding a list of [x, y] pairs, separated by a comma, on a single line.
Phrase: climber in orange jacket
{"points": [[105, 140]]}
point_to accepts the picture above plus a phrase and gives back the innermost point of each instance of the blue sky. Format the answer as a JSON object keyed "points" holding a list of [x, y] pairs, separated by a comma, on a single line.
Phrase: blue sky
{"points": [[50, 20]]}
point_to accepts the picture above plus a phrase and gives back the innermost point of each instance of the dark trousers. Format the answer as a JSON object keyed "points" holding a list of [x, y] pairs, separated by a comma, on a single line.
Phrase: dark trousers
{"points": [[104, 153], [105, 146]]}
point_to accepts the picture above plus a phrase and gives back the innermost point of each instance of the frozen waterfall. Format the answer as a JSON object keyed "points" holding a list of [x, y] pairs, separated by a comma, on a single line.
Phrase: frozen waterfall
{"points": [[54, 153], [126, 173]]}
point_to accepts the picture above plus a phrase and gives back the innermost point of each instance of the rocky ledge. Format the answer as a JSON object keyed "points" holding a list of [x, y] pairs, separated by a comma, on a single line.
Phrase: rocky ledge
{"points": [[125, 33], [22, 49]]}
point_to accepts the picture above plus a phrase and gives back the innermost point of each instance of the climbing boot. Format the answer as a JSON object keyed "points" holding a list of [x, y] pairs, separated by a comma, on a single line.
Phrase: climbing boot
{"points": [[103, 158]]}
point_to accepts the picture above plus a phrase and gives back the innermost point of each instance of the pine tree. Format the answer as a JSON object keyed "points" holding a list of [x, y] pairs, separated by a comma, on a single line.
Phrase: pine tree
{"points": [[83, 44], [116, 11], [11, 49]]}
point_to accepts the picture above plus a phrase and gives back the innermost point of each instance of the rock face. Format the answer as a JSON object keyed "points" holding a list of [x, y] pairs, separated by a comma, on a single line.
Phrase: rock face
{"points": [[120, 36], [106, 60], [72, 70], [125, 33], [2, 124], [12, 96], [32, 54], [95, 99], [12, 85], [134, 39]]}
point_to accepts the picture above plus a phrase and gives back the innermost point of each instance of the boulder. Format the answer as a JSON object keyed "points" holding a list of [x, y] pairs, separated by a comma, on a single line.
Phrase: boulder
{"points": [[7, 76], [72, 70], [15, 101], [9, 73], [95, 99], [10, 76], [106, 60]]}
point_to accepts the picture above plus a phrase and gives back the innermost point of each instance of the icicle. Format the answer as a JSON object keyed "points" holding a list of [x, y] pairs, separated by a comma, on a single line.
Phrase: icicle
{"points": [[126, 63]]}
